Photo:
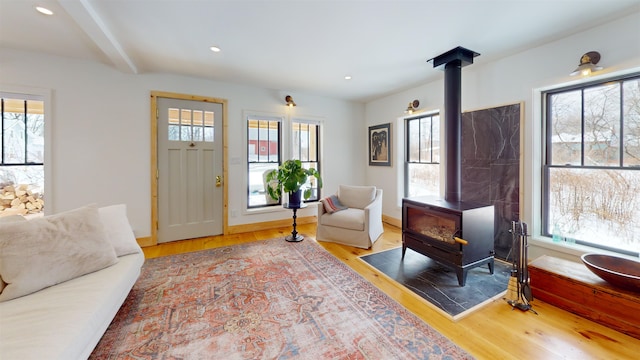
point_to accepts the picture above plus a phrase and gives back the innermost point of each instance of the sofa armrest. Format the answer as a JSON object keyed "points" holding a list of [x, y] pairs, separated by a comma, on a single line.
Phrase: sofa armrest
{"points": [[374, 209], [320, 209]]}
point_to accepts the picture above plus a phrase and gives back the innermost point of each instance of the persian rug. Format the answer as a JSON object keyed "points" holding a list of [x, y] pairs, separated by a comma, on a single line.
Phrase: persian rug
{"points": [[264, 300], [438, 285]]}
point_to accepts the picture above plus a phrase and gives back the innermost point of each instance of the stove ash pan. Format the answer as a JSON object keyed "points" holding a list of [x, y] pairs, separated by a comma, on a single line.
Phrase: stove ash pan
{"points": [[456, 234]]}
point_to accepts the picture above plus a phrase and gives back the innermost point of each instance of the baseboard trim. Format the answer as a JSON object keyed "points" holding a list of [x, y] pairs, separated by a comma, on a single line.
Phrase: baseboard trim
{"points": [[146, 241], [266, 225], [392, 221]]}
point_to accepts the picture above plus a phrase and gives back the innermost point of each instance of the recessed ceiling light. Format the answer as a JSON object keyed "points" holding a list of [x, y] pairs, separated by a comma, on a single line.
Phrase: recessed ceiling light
{"points": [[347, 77], [45, 11], [215, 49]]}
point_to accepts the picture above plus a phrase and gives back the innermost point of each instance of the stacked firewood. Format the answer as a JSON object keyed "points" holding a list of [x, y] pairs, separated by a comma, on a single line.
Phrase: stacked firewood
{"points": [[20, 200]]}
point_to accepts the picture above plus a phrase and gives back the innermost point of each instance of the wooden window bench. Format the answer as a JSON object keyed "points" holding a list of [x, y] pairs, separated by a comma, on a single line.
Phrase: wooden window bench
{"points": [[571, 286]]}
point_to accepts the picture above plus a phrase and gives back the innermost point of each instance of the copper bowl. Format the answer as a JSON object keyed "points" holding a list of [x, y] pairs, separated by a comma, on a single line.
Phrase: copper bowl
{"points": [[617, 271]]}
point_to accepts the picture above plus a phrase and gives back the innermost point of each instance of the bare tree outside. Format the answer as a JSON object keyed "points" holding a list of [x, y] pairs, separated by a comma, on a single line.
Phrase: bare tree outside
{"points": [[594, 175]]}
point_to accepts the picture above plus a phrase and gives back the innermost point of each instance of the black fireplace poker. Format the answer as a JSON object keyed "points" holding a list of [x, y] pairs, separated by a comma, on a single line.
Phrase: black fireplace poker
{"points": [[519, 289]]}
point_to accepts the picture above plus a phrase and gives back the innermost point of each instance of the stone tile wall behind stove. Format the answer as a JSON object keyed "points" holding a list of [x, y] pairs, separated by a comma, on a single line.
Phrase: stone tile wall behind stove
{"points": [[490, 152]]}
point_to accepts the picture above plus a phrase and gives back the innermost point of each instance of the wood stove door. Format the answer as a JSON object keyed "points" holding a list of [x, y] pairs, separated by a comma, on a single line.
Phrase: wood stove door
{"points": [[435, 224], [430, 232]]}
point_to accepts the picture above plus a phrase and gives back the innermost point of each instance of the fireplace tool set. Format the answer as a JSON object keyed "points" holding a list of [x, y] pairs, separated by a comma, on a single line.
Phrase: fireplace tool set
{"points": [[519, 290]]}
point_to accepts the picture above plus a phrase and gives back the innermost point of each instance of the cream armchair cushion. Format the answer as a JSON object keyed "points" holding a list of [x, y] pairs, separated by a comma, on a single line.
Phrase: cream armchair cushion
{"points": [[360, 224]]}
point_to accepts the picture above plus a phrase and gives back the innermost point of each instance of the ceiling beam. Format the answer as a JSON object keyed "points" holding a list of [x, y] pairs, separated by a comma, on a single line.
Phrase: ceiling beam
{"points": [[91, 23]]}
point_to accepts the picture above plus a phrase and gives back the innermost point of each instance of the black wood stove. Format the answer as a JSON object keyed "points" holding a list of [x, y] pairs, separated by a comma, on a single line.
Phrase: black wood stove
{"points": [[454, 233]]}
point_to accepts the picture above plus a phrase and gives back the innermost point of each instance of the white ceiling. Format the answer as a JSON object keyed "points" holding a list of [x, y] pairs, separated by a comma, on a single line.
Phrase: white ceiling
{"points": [[297, 45]]}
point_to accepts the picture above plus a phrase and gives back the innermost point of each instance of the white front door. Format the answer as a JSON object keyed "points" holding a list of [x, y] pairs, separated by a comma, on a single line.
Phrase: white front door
{"points": [[190, 195]]}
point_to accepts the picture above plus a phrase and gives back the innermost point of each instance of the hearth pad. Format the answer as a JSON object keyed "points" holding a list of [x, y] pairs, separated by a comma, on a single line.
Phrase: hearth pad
{"points": [[438, 284]]}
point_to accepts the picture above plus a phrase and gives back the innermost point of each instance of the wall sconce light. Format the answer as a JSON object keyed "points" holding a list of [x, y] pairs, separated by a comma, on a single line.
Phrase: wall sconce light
{"points": [[587, 64], [412, 107], [289, 101]]}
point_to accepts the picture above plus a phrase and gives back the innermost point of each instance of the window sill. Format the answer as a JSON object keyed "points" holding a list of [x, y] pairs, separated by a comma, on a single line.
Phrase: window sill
{"points": [[572, 250], [276, 208]]}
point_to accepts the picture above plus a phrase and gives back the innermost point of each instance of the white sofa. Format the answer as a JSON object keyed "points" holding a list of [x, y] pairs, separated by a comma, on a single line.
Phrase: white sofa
{"points": [[357, 219], [67, 319]]}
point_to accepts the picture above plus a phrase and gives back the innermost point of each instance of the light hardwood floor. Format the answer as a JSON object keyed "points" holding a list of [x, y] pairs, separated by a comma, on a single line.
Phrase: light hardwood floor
{"points": [[493, 332]]}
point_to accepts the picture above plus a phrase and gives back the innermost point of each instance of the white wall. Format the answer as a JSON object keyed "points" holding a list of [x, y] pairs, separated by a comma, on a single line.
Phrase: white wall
{"points": [[509, 80], [100, 133], [100, 121]]}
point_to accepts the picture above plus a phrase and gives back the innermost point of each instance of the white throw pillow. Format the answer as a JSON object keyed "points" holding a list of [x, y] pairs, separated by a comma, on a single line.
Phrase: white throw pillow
{"points": [[118, 229], [6, 220], [46, 251]]}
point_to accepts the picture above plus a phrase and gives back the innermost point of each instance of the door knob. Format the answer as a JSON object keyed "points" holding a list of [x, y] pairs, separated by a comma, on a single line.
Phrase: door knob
{"points": [[218, 181]]}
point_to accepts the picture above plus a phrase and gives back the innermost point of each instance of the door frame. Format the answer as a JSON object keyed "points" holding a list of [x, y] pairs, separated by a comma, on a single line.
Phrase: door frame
{"points": [[154, 157]]}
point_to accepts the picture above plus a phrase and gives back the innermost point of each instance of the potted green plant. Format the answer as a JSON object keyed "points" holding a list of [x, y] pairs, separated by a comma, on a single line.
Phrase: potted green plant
{"points": [[290, 177]]}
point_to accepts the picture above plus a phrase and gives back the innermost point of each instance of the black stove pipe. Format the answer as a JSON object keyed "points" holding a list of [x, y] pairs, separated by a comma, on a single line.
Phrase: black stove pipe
{"points": [[454, 60], [452, 130]]}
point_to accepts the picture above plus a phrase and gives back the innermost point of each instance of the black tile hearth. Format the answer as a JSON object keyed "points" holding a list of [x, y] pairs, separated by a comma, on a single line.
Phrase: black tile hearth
{"points": [[438, 284]]}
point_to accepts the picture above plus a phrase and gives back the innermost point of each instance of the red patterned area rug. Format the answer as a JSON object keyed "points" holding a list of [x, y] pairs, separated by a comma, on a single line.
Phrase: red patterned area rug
{"points": [[264, 300]]}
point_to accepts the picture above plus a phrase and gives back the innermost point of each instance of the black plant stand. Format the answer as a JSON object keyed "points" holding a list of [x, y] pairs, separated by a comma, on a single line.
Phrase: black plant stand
{"points": [[294, 237]]}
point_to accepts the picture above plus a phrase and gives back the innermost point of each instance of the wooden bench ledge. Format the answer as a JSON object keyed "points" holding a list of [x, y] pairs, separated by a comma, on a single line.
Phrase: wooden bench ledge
{"points": [[571, 286]]}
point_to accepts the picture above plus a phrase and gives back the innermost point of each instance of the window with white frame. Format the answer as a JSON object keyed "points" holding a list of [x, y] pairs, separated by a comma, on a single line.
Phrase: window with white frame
{"points": [[21, 153], [422, 155], [591, 192], [305, 146], [263, 155]]}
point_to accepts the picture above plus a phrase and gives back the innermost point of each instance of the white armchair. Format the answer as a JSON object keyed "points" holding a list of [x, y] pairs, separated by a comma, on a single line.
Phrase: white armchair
{"points": [[360, 224]]}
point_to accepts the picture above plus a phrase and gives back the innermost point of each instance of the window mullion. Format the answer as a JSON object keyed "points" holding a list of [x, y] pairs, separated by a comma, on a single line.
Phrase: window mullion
{"points": [[548, 130], [621, 141], [309, 144], [258, 128], [3, 133], [279, 134], [407, 136], [419, 142], [267, 141], [583, 128], [431, 139], [300, 141], [26, 133]]}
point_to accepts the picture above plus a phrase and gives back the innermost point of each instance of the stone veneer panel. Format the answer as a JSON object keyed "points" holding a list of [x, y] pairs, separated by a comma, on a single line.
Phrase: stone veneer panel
{"points": [[491, 166]]}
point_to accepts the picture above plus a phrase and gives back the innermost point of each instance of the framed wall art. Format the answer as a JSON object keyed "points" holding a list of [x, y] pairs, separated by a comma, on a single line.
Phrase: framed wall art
{"points": [[380, 145]]}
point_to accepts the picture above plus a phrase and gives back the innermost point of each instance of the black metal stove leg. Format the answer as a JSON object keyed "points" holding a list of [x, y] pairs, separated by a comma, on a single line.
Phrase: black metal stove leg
{"points": [[462, 276]]}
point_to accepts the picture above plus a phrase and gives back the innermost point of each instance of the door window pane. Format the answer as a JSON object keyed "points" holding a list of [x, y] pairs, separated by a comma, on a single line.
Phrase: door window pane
{"points": [[208, 126], [174, 124], [190, 125], [185, 125]]}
